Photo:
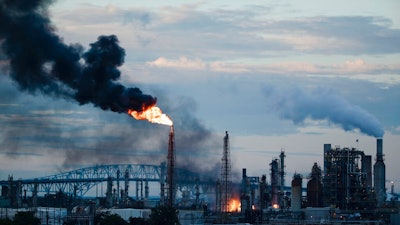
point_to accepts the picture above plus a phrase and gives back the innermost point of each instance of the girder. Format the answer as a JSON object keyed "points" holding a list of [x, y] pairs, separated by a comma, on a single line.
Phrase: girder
{"points": [[79, 182]]}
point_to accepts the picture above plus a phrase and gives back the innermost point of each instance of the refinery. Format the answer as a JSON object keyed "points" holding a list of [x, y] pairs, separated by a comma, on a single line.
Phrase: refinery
{"points": [[349, 187], [346, 189]]}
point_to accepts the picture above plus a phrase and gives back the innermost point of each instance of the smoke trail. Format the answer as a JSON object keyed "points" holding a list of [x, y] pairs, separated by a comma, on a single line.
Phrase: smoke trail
{"points": [[323, 104], [39, 61]]}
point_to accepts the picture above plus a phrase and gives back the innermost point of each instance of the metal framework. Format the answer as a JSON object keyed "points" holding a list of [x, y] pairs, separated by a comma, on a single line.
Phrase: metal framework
{"points": [[79, 182], [226, 181], [345, 183]]}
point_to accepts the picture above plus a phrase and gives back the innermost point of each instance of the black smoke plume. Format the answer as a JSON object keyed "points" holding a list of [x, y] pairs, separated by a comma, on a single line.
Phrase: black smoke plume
{"points": [[39, 61], [322, 104]]}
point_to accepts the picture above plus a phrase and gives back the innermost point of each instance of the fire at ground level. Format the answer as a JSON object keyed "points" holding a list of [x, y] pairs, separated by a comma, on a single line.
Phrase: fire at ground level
{"points": [[346, 191]]}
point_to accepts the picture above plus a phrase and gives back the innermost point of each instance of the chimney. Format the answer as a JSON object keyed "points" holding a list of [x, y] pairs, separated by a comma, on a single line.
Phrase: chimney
{"points": [[379, 174], [244, 175], [379, 151], [171, 168]]}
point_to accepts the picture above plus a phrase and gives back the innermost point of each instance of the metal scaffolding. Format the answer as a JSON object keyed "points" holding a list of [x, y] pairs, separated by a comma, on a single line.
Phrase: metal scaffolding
{"points": [[345, 183], [226, 181]]}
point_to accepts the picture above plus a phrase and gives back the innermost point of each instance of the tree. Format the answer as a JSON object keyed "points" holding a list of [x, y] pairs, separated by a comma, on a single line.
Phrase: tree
{"points": [[6, 222], [109, 219], [26, 218], [138, 221], [164, 215]]}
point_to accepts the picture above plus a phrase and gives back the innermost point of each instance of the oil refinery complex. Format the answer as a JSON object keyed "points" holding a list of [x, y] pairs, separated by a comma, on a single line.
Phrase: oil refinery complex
{"points": [[349, 188]]}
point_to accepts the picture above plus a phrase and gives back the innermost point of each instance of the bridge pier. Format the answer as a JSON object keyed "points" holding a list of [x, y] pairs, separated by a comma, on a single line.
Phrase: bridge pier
{"points": [[109, 194]]}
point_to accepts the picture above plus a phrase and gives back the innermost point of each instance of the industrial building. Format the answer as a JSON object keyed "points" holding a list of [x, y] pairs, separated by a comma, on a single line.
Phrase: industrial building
{"points": [[342, 190], [347, 188], [347, 179]]}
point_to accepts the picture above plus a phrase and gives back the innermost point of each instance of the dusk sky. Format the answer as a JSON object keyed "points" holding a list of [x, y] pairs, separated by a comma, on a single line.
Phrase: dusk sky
{"points": [[277, 75]]}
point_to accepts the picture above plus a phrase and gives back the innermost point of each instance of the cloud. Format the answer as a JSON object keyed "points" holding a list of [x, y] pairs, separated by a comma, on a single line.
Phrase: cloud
{"points": [[229, 67], [352, 67], [181, 63], [194, 31], [290, 68], [199, 65], [346, 35], [181, 14]]}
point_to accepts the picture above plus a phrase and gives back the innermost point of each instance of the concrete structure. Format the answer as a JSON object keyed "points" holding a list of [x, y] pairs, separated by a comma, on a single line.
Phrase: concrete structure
{"points": [[296, 192], [379, 174]]}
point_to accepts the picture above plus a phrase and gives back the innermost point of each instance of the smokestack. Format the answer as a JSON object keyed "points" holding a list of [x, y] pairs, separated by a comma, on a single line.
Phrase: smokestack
{"points": [[379, 151], [171, 168], [379, 174]]}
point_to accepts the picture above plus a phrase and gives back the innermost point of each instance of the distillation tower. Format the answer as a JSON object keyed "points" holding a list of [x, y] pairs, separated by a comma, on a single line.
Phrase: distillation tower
{"points": [[278, 180]]}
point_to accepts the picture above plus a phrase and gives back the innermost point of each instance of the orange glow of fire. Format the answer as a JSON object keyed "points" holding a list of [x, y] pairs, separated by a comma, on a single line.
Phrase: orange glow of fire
{"points": [[152, 114], [275, 206], [234, 205]]}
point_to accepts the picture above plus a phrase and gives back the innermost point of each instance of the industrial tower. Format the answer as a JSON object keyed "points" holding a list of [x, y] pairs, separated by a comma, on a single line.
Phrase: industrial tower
{"points": [[226, 181], [170, 169], [379, 174], [282, 171]]}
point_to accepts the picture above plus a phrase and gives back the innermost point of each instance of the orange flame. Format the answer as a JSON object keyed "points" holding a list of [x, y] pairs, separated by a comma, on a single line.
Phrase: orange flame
{"points": [[234, 205], [153, 114]]}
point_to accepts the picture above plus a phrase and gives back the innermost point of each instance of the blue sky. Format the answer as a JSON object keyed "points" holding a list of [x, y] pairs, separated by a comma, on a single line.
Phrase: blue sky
{"points": [[275, 74]]}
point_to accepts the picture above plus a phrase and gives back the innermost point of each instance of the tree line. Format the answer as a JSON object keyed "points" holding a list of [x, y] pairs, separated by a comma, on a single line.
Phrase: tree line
{"points": [[159, 215]]}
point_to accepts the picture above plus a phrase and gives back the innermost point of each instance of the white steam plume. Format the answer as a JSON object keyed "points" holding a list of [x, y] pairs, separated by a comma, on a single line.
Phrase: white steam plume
{"points": [[322, 104]]}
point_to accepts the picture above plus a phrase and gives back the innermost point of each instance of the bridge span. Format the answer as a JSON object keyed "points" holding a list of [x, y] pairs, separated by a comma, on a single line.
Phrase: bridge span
{"points": [[79, 182]]}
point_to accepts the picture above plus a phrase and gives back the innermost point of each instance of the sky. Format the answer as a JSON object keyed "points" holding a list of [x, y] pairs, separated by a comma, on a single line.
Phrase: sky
{"points": [[277, 75]]}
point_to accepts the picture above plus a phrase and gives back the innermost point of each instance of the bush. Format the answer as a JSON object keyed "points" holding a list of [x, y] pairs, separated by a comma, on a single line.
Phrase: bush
{"points": [[109, 219], [138, 221], [26, 218], [164, 215]]}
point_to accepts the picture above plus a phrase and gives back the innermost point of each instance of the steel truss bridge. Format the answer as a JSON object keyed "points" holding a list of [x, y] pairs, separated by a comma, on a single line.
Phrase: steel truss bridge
{"points": [[79, 182]]}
